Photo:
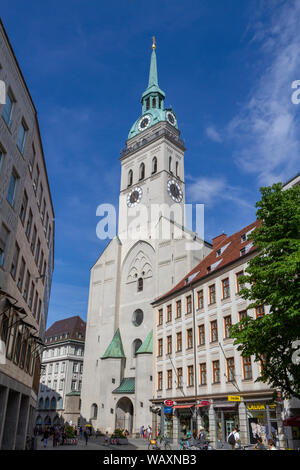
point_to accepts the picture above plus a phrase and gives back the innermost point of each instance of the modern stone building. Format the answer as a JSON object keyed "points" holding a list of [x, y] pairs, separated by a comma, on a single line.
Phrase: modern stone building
{"points": [[61, 377], [137, 266], [195, 363], [26, 252]]}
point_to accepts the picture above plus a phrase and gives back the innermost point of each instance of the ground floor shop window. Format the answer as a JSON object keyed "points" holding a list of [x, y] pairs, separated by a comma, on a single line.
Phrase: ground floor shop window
{"points": [[204, 419], [226, 421], [168, 425], [262, 422]]}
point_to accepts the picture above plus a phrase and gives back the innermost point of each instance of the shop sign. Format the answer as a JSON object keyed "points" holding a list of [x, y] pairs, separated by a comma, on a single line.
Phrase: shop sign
{"points": [[234, 398], [169, 402], [168, 409], [256, 406]]}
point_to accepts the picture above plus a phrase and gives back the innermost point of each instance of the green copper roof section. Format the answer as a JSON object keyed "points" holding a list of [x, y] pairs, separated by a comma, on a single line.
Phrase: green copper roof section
{"points": [[115, 348], [153, 80], [126, 386], [73, 394], [146, 347]]}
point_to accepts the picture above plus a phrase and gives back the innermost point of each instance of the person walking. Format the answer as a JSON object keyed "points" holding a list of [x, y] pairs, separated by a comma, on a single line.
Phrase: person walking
{"points": [[86, 436], [141, 432], [233, 438], [271, 445], [106, 439], [45, 437]]}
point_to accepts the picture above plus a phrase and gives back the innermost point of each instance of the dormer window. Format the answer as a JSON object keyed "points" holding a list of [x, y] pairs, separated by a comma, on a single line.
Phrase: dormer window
{"points": [[218, 252], [242, 251], [243, 238]]}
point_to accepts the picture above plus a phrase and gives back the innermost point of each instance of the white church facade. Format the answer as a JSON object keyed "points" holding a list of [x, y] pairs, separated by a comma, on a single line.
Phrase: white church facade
{"points": [[136, 267]]}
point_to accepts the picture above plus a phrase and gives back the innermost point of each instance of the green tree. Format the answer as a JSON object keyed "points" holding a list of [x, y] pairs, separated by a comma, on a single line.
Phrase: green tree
{"points": [[272, 279]]}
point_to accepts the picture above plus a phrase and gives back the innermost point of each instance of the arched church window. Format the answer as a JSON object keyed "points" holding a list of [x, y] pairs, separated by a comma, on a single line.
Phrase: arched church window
{"points": [[140, 284], [47, 402], [53, 403], [142, 171], [177, 166], [130, 177], [137, 317], [137, 343], [170, 164], [94, 411], [154, 165]]}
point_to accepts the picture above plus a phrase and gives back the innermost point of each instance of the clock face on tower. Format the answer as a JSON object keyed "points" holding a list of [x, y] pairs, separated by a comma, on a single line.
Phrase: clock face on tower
{"points": [[171, 118], [144, 122], [175, 191], [134, 197]]}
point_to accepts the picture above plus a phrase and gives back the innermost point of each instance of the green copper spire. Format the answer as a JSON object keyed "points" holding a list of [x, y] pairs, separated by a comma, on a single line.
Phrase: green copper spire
{"points": [[146, 347], [115, 348], [153, 96]]}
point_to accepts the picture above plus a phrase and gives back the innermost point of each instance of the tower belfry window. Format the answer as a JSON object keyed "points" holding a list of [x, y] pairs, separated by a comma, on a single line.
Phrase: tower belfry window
{"points": [[147, 103], [154, 165], [142, 171], [130, 177], [176, 168], [140, 284], [170, 164], [153, 102]]}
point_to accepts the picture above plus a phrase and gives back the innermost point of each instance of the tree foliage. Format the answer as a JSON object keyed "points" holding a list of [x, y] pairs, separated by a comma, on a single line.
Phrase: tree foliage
{"points": [[272, 280]]}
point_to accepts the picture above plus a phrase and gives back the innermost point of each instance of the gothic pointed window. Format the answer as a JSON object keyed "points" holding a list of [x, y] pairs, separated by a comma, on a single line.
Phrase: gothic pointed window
{"points": [[154, 165], [137, 343], [142, 171], [170, 164], [130, 177]]}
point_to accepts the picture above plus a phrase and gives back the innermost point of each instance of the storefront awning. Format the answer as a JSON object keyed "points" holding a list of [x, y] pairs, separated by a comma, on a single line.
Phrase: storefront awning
{"points": [[184, 406], [292, 421], [203, 403]]}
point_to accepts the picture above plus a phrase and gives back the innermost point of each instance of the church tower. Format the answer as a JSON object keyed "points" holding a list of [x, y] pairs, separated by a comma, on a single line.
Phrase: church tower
{"points": [[133, 270]]}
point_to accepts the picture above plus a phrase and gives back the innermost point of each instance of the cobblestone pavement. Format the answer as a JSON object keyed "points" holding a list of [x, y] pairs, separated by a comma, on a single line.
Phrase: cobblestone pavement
{"points": [[94, 444]]}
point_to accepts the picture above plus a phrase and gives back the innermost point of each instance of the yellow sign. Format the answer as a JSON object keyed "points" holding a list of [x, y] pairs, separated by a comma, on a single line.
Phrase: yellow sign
{"points": [[234, 398], [256, 406]]}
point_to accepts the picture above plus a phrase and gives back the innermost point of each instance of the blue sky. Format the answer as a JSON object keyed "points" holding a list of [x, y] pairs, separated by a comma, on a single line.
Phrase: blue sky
{"points": [[226, 68]]}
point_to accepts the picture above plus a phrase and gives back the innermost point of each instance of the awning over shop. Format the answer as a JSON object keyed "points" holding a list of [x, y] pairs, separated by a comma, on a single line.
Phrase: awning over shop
{"points": [[292, 421], [184, 406], [203, 403]]}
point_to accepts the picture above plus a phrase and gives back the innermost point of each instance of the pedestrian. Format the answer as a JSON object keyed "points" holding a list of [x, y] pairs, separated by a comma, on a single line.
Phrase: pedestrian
{"points": [[86, 436], [106, 439], [271, 445], [259, 444], [201, 436], [45, 437], [233, 438], [148, 432], [80, 431]]}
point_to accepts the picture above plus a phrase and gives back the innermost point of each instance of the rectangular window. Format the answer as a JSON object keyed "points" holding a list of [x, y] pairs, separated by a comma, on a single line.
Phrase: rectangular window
{"points": [[169, 313], [49, 235], [201, 331], [247, 368], [39, 312], [43, 211], [4, 234], [22, 136], [8, 108], [190, 376], [33, 239], [189, 338], [21, 274], [242, 315], [35, 303], [169, 344], [239, 285], [36, 179], [178, 309], [230, 369], [160, 316], [75, 367], [189, 304], [169, 379], [29, 224], [179, 377], [26, 287], [214, 331], [40, 195], [15, 260], [212, 294], [24, 207], [32, 159], [159, 381], [260, 311], [216, 372], [226, 288], [200, 299], [160, 347], [41, 262], [227, 325], [73, 386], [30, 301], [37, 251], [203, 373], [12, 187], [178, 341]]}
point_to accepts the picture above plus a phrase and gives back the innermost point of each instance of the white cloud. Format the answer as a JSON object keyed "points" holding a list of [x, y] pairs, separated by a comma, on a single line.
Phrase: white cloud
{"points": [[213, 134], [267, 128]]}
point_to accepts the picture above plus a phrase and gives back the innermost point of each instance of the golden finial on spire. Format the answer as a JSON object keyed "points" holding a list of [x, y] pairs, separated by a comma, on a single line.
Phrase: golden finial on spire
{"points": [[153, 43]]}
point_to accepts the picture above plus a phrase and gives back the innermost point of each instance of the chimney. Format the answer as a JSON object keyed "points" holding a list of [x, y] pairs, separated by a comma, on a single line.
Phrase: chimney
{"points": [[219, 239]]}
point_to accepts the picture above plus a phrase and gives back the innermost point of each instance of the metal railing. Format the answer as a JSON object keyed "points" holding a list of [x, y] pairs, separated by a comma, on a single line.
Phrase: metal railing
{"points": [[139, 144]]}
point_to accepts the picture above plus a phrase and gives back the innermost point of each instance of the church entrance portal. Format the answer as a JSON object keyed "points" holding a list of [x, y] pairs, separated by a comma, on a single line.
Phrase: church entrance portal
{"points": [[124, 414]]}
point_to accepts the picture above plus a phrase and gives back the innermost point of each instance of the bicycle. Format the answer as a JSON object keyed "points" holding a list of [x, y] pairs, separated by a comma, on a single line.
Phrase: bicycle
{"points": [[153, 445], [185, 444], [165, 443]]}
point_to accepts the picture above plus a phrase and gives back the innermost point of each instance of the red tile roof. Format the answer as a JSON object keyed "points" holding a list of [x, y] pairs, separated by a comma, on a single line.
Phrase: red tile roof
{"points": [[72, 325], [213, 262]]}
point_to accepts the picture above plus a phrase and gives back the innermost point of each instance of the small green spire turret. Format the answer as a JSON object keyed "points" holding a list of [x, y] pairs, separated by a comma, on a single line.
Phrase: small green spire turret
{"points": [[153, 96]]}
